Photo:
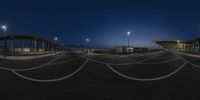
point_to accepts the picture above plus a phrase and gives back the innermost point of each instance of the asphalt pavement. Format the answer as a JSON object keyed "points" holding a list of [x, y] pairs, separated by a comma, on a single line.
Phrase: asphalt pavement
{"points": [[161, 76]]}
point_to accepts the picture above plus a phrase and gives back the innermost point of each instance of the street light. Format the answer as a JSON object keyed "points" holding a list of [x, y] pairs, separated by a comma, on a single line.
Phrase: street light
{"points": [[62, 46], [87, 40], [128, 35], [78, 47], [55, 40], [4, 28]]}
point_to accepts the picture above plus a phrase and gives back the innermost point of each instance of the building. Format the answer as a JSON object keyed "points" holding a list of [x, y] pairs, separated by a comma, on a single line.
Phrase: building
{"points": [[123, 49], [130, 49], [192, 46], [140, 49], [119, 49], [25, 44], [176, 45], [99, 51]]}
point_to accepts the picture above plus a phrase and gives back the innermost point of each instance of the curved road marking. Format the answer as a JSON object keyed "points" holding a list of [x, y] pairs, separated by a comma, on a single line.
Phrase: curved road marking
{"points": [[65, 61], [13, 69], [194, 65], [144, 79], [51, 80], [137, 62], [173, 59], [117, 64]]}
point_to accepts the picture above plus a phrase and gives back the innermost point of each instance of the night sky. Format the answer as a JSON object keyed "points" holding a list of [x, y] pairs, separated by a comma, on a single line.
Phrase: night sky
{"points": [[104, 22]]}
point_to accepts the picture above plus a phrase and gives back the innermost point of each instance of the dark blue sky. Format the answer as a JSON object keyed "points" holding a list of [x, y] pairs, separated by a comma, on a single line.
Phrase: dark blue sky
{"points": [[105, 22]]}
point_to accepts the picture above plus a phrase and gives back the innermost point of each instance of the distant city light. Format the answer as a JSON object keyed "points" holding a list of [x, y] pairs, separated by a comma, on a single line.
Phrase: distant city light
{"points": [[178, 41], [55, 38], [4, 27], [128, 33], [87, 40]]}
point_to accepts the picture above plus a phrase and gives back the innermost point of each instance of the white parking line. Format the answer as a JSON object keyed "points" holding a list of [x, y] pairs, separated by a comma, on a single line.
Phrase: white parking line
{"points": [[51, 80], [194, 65], [13, 69], [166, 56], [65, 61], [173, 59], [144, 79], [107, 64], [136, 62]]}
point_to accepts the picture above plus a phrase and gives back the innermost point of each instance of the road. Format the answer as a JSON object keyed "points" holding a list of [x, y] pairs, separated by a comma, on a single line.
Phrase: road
{"points": [[161, 76]]}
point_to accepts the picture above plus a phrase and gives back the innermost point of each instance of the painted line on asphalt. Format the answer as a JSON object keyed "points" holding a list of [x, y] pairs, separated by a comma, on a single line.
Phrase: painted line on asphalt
{"points": [[166, 56], [51, 80], [13, 69], [137, 62], [101, 62], [194, 65], [166, 61], [148, 79], [65, 61]]}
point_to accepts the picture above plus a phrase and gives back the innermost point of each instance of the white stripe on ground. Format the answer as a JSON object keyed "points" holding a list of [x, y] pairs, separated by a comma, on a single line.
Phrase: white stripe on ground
{"points": [[172, 56], [28, 57], [130, 63], [11, 69], [144, 79], [194, 65], [51, 80], [123, 63], [65, 61], [173, 59], [191, 55]]}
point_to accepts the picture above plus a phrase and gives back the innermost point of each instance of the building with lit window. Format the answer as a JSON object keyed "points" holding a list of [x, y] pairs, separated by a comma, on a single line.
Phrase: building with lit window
{"points": [[19, 44], [130, 49], [192, 46]]}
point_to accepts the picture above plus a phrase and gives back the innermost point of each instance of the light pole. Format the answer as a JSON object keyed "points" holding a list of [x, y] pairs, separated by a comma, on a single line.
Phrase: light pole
{"points": [[55, 40], [78, 47], [128, 35], [62, 46], [4, 28], [87, 40]]}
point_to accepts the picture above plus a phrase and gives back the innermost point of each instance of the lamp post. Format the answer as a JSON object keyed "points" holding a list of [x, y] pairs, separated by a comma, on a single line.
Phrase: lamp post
{"points": [[128, 35], [62, 46], [78, 47], [55, 40], [4, 28], [87, 40], [178, 44]]}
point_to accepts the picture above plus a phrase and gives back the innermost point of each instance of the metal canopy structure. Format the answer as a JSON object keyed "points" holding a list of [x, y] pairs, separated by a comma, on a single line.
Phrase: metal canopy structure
{"points": [[179, 45], [47, 45]]}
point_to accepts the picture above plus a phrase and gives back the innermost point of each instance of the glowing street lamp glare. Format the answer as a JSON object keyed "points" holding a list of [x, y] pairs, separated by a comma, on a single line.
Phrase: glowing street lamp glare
{"points": [[55, 38], [87, 40], [4, 27], [128, 33]]}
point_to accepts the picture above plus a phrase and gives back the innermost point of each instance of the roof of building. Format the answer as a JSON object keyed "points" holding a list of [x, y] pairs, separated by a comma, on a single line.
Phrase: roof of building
{"points": [[172, 41], [25, 37]]}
